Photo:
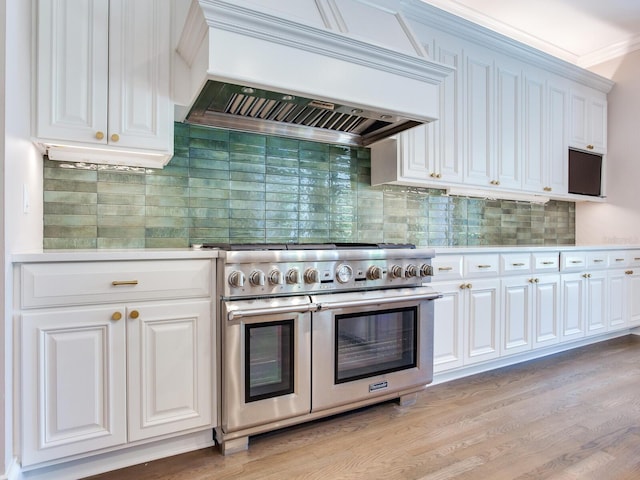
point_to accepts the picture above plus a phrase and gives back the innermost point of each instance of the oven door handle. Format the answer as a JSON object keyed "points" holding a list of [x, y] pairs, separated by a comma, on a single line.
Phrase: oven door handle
{"points": [[253, 312], [379, 300]]}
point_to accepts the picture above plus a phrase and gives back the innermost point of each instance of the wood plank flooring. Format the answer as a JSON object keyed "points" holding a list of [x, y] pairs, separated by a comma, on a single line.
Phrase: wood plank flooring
{"points": [[573, 415]]}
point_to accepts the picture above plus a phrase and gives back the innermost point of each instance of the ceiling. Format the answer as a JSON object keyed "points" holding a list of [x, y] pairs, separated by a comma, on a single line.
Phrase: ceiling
{"points": [[582, 32]]}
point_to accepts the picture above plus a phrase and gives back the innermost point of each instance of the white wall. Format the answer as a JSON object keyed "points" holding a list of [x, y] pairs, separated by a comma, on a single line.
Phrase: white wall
{"points": [[618, 220], [21, 166]]}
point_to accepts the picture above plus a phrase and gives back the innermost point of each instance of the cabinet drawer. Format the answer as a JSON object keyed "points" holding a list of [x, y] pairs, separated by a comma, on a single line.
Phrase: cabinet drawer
{"points": [[515, 263], [481, 265], [573, 261], [619, 258], [546, 262], [634, 258], [69, 283], [448, 267], [597, 260]]}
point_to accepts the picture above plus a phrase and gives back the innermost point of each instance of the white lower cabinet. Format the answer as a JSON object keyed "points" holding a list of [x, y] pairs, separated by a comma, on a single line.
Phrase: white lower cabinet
{"points": [[482, 339], [102, 376], [449, 326], [583, 304]]}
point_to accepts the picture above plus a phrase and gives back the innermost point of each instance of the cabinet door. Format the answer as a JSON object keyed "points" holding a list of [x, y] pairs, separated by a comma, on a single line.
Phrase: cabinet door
{"points": [[633, 282], [448, 327], [483, 329], [533, 138], [546, 310], [73, 382], [572, 294], [618, 299], [170, 367], [140, 110], [448, 128], [415, 148], [72, 70], [557, 169], [507, 155], [588, 120], [516, 314], [479, 129], [596, 300]]}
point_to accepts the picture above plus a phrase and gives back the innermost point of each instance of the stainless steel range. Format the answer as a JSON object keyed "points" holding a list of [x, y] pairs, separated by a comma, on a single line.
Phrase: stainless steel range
{"points": [[312, 330]]}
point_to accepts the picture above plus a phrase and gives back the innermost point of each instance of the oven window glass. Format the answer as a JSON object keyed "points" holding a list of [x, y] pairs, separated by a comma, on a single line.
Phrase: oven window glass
{"points": [[373, 343], [269, 360]]}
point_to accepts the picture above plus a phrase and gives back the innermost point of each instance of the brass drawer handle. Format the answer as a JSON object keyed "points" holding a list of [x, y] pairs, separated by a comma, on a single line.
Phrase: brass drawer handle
{"points": [[518, 264], [636, 258], [628, 272], [576, 261], [484, 266], [548, 263], [547, 189], [445, 269], [619, 259], [117, 283], [598, 260]]}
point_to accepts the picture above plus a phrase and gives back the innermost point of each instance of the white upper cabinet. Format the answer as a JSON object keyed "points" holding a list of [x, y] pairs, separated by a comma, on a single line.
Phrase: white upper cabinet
{"points": [[103, 81], [588, 120]]}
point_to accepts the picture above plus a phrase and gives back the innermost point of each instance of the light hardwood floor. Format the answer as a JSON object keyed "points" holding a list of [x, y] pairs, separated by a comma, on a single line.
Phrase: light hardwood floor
{"points": [[570, 416]]}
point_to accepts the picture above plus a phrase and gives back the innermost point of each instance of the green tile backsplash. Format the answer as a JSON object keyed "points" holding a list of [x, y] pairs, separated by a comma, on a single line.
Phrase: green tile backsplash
{"points": [[227, 186]]}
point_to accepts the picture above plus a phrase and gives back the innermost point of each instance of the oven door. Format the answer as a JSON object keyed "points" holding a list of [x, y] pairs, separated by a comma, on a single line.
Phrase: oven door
{"points": [[369, 344], [266, 361]]}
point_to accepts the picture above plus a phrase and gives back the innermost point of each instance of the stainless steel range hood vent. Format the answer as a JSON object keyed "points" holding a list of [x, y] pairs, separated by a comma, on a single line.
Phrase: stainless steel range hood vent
{"points": [[254, 110], [337, 71]]}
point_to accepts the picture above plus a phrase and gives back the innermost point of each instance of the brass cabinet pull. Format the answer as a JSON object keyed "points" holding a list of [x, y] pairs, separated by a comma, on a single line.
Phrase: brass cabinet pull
{"points": [[435, 175], [118, 283], [598, 260], [99, 135], [134, 314], [463, 286], [628, 272], [534, 280], [547, 189], [445, 269], [548, 263], [115, 137], [576, 261], [495, 182], [636, 258], [590, 147], [619, 259], [116, 316], [469, 285], [586, 275], [484, 266], [518, 264]]}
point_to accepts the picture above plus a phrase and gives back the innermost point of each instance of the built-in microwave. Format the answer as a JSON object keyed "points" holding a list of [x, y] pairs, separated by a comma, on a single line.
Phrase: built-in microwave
{"points": [[585, 173]]}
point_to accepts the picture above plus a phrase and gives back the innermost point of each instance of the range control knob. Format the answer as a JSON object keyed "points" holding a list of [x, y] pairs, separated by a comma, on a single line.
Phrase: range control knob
{"points": [[311, 275], [236, 279], [293, 276], [344, 273], [276, 277], [411, 271], [257, 278], [426, 270], [396, 271], [374, 273]]}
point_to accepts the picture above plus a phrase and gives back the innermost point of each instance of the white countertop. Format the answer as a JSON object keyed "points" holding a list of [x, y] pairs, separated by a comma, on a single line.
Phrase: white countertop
{"points": [[530, 248], [112, 254]]}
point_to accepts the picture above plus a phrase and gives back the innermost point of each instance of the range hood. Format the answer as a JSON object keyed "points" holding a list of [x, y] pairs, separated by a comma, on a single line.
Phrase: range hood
{"points": [[337, 71]]}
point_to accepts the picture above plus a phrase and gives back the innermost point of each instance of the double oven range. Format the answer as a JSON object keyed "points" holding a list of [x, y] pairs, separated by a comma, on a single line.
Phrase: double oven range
{"points": [[312, 330]]}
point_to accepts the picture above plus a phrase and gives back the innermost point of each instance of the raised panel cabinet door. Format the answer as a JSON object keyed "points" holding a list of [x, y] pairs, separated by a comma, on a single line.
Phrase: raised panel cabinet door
{"points": [[533, 138], [546, 310], [448, 128], [508, 133], [579, 131], [633, 282], [516, 313], [618, 299], [482, 335], [170, 355], [448, 327], [596, 302], [573, 305], [140, 107], [479, 116], [598, 123], [557, 164], [73, 377], [416, 153], [72, 51]]}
